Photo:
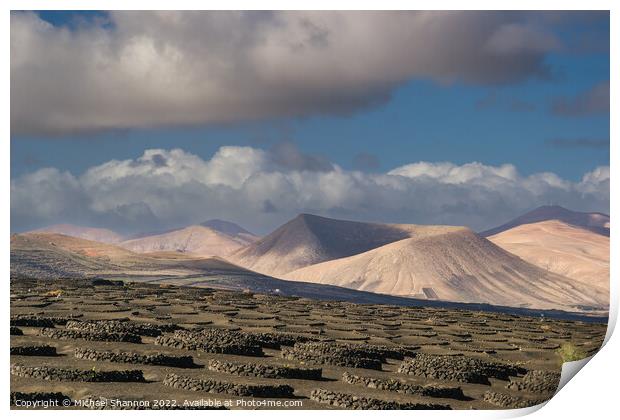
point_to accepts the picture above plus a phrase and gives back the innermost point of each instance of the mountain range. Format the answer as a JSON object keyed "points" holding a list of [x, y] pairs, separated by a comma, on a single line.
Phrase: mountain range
{"points": [[433, 262], [594, 222], [211, 238], [550, 258], [561, 248], [106, 236]]}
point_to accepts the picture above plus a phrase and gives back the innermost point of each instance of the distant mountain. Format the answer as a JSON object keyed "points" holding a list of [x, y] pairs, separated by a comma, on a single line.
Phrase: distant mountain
{"points": [[93, 234], [594, 222], [565, 249], [432, 262], [309, 239], [231, 229], [51, 255], [453, 264], [197, 239], [441, 264]]}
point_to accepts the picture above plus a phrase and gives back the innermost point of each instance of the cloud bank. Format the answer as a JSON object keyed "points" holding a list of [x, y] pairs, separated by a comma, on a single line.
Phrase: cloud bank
{"points": [[145, 69], [261, 189]]}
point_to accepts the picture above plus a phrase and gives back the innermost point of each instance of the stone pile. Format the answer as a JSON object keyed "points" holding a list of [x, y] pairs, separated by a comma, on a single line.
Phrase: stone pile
{"points": [[33, 351], [113, 326], [264, 371], [508, 401], [90, 336], [106, 282], [335, 354], [32, 321], [220, 387], [457, 368], [213, 341], [158, 359], [353, 402], [76, 375], [275, 340], [536, 382], [404, 387]]}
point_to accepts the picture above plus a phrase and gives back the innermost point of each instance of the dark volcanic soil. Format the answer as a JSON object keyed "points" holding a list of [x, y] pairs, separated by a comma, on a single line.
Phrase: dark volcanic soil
{"points": [[111, 344]]}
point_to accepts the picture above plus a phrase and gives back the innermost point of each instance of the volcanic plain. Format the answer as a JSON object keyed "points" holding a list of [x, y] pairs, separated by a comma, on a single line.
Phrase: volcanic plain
{"points": [[92, 343]]}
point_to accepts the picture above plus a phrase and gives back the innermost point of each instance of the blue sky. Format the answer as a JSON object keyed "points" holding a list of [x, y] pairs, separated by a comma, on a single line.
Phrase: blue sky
{"points": [[423, 120], [521, 122]]}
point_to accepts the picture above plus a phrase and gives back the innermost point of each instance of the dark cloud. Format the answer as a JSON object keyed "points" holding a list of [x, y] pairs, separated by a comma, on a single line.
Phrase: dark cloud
{"points": [[588, 143], [592, 101], [149, 69]]}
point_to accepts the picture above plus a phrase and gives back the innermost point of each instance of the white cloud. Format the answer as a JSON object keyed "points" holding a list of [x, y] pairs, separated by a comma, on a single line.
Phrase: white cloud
{"points": [[169, 188], [592, 181], [449, 173], [175, 68]]}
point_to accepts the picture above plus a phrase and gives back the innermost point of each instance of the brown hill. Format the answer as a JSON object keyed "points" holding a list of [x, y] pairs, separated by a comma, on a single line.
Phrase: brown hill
{"points": [[309, 239], [50, 255], [230, 229], [92, 234], [561, 248], [455, 265], [196, 239], [54, 256], [594, 222]]}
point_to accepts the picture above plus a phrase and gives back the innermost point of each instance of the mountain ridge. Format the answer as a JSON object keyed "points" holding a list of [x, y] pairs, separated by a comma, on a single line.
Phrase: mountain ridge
{"points": [[308, 239], [83, 232], [593, 221], [559, 247], [194, 239]]}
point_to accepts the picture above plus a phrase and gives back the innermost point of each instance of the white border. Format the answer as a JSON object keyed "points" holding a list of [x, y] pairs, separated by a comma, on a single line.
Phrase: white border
{"points": [[592, 395]]}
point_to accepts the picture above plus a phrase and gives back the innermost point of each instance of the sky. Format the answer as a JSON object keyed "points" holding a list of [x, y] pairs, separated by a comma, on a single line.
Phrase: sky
{"points": [[139, 121]]}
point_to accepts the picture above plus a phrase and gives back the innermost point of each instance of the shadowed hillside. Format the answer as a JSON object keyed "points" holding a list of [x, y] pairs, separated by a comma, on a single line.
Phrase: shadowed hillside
{"points": [[309, 239]]}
